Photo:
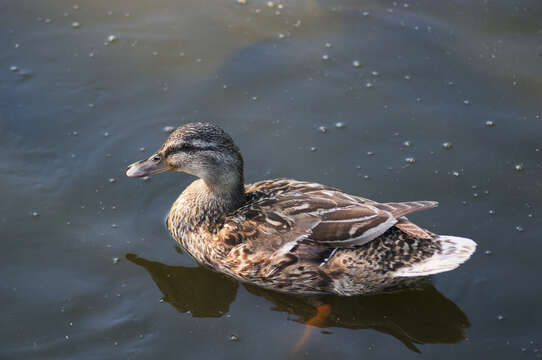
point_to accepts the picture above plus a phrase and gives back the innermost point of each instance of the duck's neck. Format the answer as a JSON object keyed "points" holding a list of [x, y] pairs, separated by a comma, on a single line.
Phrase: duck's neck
{"points": [[206, 203]]}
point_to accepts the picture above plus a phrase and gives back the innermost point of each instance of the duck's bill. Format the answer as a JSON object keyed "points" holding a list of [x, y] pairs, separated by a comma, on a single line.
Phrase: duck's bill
{"points": [[146, 168]]}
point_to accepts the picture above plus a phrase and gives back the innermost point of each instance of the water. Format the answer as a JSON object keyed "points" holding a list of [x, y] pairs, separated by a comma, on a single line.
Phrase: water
{"points": [[89, 270]]}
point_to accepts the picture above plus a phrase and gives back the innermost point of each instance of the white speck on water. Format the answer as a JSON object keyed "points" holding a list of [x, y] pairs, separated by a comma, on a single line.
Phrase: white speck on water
{"points": [[254, 98], [410, 160], [466, 102], [407, 143], [112, 180], [75, 7], [356, 64], [106, 134], [234, 337], [375, 73], [322, 129], [168, 129], [500, 317], [76, 25], [111, 39], [325, 57], [14, 68], [408, 77], [369, 85], [488, 252], [490, 123], [75, 133], [48, 21], [270, 4], [313, 149], [114, 226], [519, 167], [474, 195], [35, 213], [328, 45], [116, 260], [365, 13], [519, 228], [447, 145], [455, 173], [370, 153], [340, 125], [242, 2], [67, 337], [142, 149], [491, 212]]}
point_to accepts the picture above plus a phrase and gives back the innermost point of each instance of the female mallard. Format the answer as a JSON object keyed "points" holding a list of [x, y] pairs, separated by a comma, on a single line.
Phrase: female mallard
{"points": [[288, 235]]}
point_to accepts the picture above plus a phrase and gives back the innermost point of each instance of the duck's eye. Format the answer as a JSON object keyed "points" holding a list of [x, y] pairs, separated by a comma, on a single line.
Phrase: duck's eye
{"points": [[155, 158]]}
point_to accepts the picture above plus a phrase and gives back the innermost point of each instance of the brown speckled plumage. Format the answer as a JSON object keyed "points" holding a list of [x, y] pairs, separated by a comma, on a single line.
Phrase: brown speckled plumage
{"points": [[289, 235]]}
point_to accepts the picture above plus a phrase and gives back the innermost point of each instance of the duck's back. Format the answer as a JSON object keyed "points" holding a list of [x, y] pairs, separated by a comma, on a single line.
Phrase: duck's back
{"points": [[306, 237]]}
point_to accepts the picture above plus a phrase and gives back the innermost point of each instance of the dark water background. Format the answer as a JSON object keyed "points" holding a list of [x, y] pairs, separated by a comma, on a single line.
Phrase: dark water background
{"points": [[86, 258]]}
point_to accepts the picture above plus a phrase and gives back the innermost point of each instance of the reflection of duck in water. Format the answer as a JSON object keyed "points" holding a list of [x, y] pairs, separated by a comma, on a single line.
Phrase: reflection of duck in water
{"points": [[418, 315], [288, 235]]}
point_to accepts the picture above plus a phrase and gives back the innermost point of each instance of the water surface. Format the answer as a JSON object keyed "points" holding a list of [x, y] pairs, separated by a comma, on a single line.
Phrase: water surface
{"points": [[89, 270]]}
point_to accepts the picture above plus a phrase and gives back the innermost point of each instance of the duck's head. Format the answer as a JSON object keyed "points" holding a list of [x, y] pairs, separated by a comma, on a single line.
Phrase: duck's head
{"points": [[200, 149]]}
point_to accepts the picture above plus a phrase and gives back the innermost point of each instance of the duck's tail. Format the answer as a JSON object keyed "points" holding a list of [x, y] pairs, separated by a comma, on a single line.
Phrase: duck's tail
{"points": [[454, 251]]}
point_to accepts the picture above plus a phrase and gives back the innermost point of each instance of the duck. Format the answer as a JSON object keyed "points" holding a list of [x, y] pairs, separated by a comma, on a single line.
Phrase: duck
{"points": [[292, 236]]}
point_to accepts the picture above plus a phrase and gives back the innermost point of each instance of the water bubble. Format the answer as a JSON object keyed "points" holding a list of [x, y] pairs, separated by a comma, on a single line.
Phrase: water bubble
{"points": [[48, 21], [14, 68], [408, 77], [370, 153], [270, 4], [369, 85], [491, 212], [322, 129], [340, 125], [111, 39], [76, 25], [114, 226], [500, 317], [234, 337], [168, 129], [488, 252], [280, 6], [410, 160], [474, 195], [365, 13], [142, 149], [519, 167], [106, 134], [356, 64], [328, 45], [75, 133], [313, 149], [112, 180], [519, 228], [35, 213], [490, 123], [407, 143], [116, 260], [447, 145], [466, 102], [282, 36], [375, 73], [455, 173], [325, 57]]}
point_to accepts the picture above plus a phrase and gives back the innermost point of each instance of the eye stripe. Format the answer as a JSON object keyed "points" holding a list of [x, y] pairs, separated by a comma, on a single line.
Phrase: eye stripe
{"points": [[186, 147]]}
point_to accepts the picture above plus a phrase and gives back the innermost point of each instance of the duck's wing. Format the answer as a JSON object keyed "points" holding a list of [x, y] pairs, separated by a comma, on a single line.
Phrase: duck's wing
{"points": [[291, 213]]}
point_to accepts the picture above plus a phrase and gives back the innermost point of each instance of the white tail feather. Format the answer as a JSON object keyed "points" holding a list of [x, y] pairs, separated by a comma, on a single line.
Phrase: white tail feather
{"points": [[455, 251]]}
